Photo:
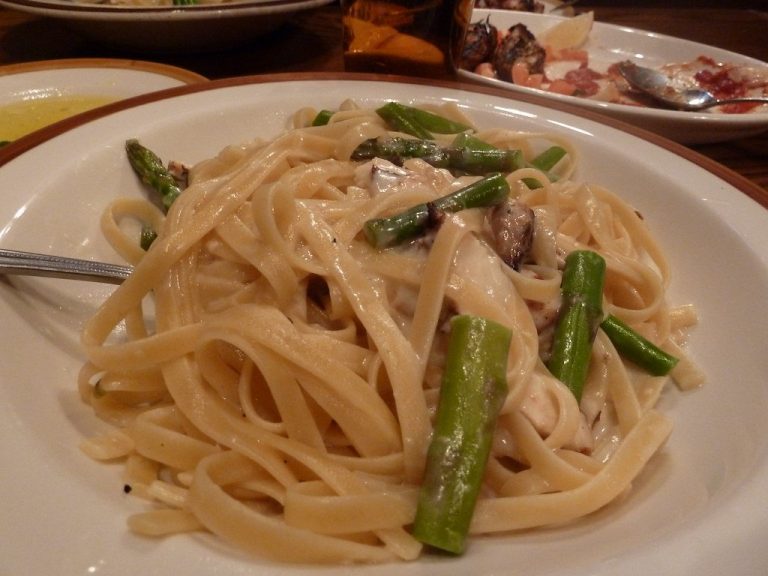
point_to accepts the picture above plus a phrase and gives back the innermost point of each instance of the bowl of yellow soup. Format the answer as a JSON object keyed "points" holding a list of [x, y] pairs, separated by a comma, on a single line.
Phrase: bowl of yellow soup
{"points": [[37, 94]]}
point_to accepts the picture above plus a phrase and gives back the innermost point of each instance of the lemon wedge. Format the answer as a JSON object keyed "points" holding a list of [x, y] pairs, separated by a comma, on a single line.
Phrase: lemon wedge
{"points": [[568, 34]]}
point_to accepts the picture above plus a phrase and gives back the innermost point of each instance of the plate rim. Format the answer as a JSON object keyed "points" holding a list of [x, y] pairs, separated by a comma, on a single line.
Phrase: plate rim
{"points": [[749, 188], [170, 71], [138, 13]]}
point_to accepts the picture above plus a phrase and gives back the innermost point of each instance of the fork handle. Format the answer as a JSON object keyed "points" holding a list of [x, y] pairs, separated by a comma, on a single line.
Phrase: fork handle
{"points": [[34, 264]]}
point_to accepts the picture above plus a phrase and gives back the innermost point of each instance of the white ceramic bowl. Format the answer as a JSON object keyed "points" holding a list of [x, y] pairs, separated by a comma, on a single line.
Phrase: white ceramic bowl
{"points": [[169, 29], [28, 87], [699, 507]]}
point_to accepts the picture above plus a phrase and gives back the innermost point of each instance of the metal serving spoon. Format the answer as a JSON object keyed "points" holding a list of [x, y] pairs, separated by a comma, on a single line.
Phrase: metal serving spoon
{"points": [[33, 264], [657, 85]]}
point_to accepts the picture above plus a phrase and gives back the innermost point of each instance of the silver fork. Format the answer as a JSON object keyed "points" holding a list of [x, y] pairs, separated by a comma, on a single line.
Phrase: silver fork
{"points": [[33, 264]]}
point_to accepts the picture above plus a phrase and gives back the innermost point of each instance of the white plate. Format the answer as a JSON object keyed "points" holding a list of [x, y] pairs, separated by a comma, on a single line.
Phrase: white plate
{"points": [[101, 78], [699, 508], [169, 29], [608, 44]]}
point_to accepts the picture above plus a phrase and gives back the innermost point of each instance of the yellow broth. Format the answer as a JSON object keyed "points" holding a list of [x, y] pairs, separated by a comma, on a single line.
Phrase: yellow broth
{"points": [[21, 118]]}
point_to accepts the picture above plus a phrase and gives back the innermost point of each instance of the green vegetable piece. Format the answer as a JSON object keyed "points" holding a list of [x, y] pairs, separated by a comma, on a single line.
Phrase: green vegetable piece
{"points": [[150, 169], [638, 349], [152, 173], [397, 119], [580, 314], [396, 229], [474, 161], [503, 160], [147, 237], [430, 121], [467, 140], [465, 159], [322, 118], [396, 150], [488, 191], [549, 158], [545, 162], [473, 391], [474, 156]]}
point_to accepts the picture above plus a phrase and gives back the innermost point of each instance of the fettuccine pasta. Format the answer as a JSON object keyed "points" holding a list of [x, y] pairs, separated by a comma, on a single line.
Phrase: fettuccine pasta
{"points": [[272, 378]]}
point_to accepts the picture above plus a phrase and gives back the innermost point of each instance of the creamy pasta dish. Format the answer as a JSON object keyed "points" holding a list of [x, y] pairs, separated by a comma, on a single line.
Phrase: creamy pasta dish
{"points": [[382, 332]]}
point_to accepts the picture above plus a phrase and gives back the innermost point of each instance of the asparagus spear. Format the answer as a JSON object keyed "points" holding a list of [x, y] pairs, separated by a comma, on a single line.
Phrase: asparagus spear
{"points": [[467, 153], [417, 122], [467, 140], [148, 235], [386, 232], [150, 169], [474, 161], [392, 114], [466, 159], [473, 390], [545, 162], [549, 158], [397, 149], [580, 314], [636, 348], [322, 117]]}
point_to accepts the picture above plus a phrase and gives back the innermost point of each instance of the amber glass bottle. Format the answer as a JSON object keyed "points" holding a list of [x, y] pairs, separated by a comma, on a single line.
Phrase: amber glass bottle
{"points": [[411, 37]]}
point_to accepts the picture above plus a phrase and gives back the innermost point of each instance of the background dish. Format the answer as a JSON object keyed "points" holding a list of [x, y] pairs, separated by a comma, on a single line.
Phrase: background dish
{"points": [[547, 5], [169, 29], [608, 44], [103, 80], [696, 510]]}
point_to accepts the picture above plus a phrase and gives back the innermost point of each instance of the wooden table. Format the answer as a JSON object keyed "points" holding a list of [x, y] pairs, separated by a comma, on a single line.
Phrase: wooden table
{"points": [[311, 41]]}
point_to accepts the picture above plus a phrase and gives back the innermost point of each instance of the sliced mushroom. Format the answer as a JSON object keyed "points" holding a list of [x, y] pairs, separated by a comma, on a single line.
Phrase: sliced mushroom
{"points": [[512, 225]]}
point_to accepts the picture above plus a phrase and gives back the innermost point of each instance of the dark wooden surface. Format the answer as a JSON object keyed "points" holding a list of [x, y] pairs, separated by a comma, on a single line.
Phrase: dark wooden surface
{"points": [[311, 42]]}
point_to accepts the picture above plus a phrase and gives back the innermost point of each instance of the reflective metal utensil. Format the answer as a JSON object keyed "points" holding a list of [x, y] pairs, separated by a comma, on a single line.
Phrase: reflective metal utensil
{"points": [[657, 85], [33, 264]]}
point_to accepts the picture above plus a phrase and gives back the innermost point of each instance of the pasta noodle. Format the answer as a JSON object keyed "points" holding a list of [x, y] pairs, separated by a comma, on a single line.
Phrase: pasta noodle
{"points": [[272, 378]]}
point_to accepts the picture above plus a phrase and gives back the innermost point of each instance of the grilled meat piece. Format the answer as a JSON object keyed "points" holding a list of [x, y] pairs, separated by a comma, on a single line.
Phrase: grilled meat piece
{"points": [[519, 45], [480, 43]]}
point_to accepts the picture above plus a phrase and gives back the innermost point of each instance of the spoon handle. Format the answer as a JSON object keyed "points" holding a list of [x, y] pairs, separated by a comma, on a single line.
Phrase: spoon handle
{"points": [[761, 99], [33, 264]]}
